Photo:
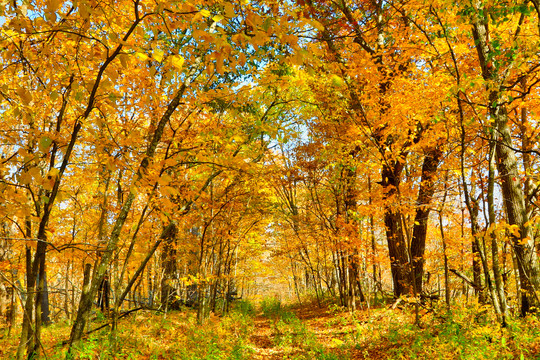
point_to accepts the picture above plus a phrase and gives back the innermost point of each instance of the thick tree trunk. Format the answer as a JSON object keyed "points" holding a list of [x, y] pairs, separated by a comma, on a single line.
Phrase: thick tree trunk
{"points": [[425, 195], [507, 166], [45, 308], [397, 246], [169, 295], [86, 304], [477, 267], [516, 211]]}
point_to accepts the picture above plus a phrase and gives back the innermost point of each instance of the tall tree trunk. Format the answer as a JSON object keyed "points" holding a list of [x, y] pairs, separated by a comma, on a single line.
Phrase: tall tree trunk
{"points": [[376, 281], [397, 246], [446, 274], [499, 298], [507, 166], [26, 331], [514, 201], [82, 316], [169, 295], [425, 195]]}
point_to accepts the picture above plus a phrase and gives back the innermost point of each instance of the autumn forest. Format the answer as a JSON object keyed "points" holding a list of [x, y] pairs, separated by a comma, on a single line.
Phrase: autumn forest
{"points": [[255, 179]]}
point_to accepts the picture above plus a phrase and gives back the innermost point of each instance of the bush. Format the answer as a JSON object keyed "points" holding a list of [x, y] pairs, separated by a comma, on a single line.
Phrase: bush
{"points": [[271, 307], [244, 307], [290, 331]]}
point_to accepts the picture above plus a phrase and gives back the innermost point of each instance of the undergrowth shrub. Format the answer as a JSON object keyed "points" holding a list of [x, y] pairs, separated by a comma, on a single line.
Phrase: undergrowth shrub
{"points": [[322, 354], [271, 307], [220, 339], [245, 307], [176, 336], [468, 332], [287, 329], [238, 324]]}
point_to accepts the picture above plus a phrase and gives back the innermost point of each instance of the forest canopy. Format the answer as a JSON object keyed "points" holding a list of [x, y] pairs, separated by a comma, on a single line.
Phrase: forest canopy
{"points": [[164, 154]]}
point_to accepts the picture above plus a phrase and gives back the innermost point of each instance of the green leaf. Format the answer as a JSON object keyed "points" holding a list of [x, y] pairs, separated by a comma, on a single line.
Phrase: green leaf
{"points": [[78, 95], [44, 143], [54, 95], [337, 81]]}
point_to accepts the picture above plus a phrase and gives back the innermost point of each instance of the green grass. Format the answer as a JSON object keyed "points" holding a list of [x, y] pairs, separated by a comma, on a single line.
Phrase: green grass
{"points": [[467, 332]]}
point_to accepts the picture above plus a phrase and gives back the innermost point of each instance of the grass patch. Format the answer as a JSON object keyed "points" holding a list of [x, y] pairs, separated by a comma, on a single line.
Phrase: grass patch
{"points": [[307, 332]]}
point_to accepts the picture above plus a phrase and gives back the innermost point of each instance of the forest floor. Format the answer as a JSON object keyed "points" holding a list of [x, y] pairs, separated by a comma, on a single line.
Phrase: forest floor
{"points": [[307, 331]]}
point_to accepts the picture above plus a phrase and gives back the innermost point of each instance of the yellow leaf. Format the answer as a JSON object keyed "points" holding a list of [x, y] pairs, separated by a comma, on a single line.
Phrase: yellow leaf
{"points": [[317, 25], [229, 10], [62, 195], [44, 143], [25, 178], [196, 17], [337, 81], [219, 63], [48, 185], [237, 138], [53, 172], [84, 10], [171, 191], [35, 172], [158, 55], [218, 18], [26, 96], [123, 60], [242, 59], [142, 56], [205, 13], [177, 61], [50, 15], [53, 5], [164, 179], [514, 229], [210, 69]]}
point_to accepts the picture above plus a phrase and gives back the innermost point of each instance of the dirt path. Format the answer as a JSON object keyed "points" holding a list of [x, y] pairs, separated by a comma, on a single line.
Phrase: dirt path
{"points": [[262, 340], [318, 321]]}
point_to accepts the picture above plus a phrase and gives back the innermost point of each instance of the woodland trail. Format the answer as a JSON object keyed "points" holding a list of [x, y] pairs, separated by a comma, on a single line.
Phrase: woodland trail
{"points": [[318, 331], [332, 333], [261, 340]]}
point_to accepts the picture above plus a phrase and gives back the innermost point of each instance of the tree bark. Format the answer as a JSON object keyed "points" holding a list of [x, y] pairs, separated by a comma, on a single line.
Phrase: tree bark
{"points": [[425, 195], [397, 246], [169, 295], [507, 166], [85, 303]]}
